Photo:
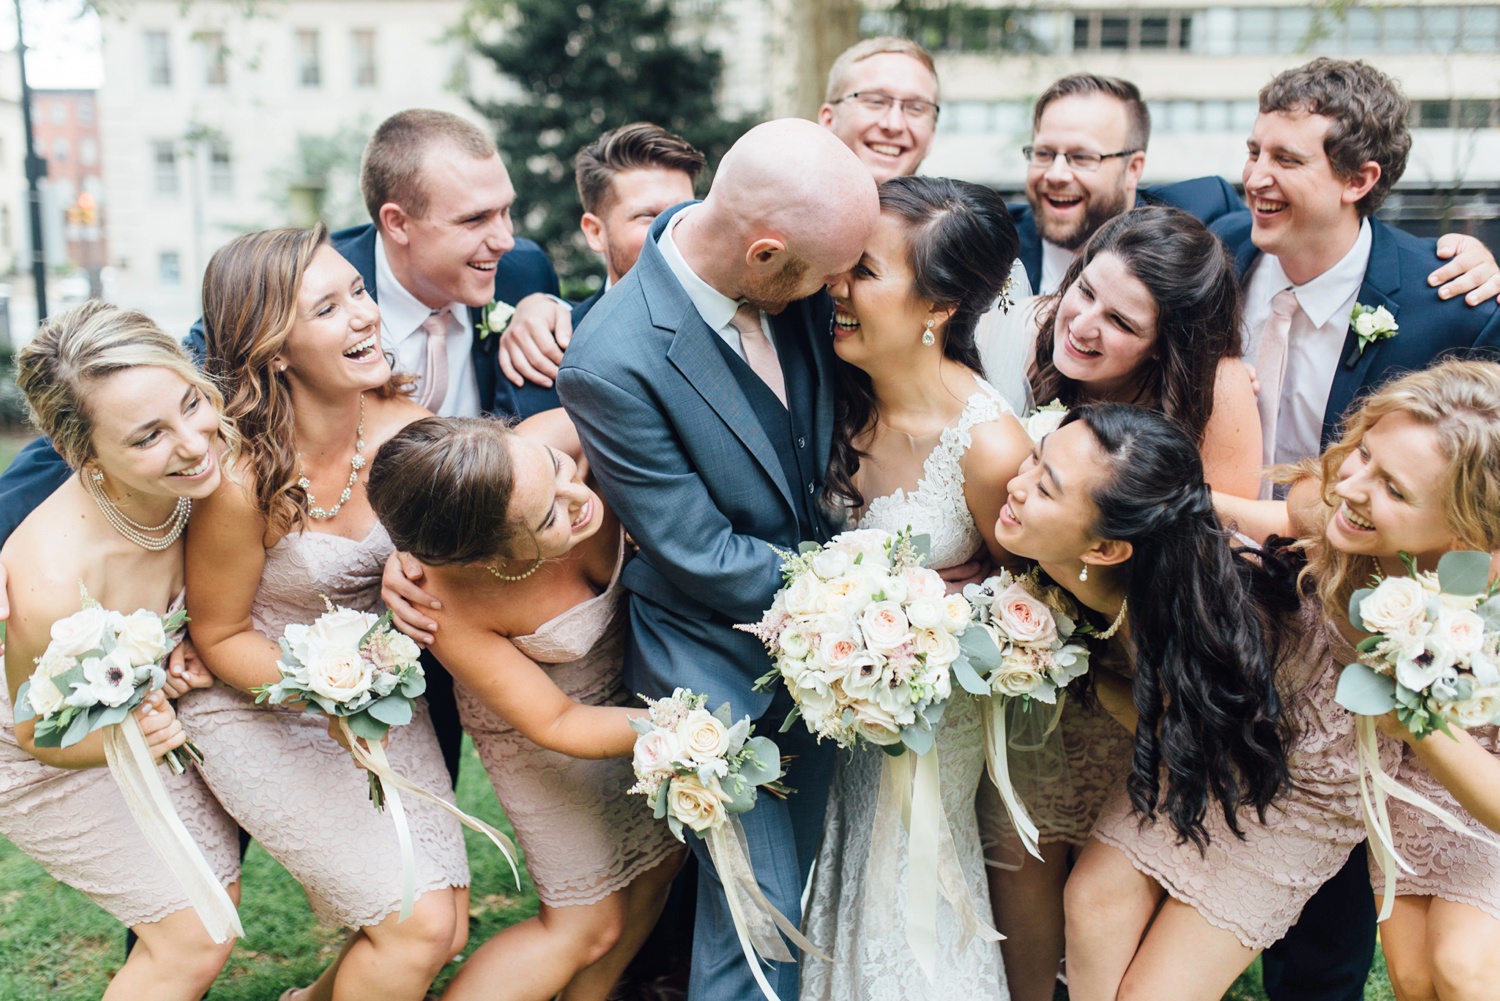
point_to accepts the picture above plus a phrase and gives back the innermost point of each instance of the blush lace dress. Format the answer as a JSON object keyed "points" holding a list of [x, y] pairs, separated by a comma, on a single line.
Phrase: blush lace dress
{"points": [[584, 838], [1256, 887], [279, 773], [870, 957], [74, 822]]}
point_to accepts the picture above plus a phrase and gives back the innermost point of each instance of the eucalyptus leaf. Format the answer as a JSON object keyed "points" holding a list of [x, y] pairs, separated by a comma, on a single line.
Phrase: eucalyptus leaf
{"points": [[77, 730], [1363, 691], [803, 548], [392, 710], [659, 802], [724, 715], [23, 710], [741, 797], [1369, 643], [414, 685], [113, 714], [919, 739], [1355, 619], [1464, 572], [763, 762], [968, 678], [923, 546], [979, 645], [364, 725]]}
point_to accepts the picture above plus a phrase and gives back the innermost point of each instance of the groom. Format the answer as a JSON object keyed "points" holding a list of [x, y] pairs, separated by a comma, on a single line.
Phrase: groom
{"points": [[701, 390]]}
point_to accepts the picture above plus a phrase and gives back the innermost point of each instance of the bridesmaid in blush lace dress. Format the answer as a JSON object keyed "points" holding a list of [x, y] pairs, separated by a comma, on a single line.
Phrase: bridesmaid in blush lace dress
{"points": [[295, 340], [125, 407], [532, 628]]}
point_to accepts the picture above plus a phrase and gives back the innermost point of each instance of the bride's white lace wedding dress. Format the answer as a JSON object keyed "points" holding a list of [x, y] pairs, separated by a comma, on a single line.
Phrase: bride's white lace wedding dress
{"points": [[870, 959]]}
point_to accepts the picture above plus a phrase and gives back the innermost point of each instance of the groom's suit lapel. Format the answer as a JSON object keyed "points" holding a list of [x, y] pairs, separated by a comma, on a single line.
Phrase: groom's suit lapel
{"points": [[693, 353]]}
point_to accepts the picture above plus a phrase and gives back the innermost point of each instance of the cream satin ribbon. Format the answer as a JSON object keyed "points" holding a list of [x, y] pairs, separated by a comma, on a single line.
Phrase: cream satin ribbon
{"points": [[371, 756], [756, 920], [997, 763], [131, 763], [1375, 785]]}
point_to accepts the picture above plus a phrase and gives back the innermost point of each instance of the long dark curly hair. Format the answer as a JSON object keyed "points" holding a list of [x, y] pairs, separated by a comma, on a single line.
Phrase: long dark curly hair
{"points": [[1207, 623], [962, 243], [1190, 277]]}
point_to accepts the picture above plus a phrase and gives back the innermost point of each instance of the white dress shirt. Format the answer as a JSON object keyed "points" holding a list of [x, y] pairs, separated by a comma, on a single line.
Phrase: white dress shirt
{"points": [[401, 318], [1055, 263], [1315, 342], [716, 308]]}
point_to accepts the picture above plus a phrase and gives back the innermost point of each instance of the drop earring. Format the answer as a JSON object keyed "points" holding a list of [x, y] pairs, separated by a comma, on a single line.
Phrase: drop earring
{"points": [[1083, 574], [927, 335]]}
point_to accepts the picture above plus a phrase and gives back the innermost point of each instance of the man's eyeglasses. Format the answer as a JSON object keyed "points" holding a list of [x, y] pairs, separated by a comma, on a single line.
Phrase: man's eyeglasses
{"points": [[877, 103], [1086, 162]]}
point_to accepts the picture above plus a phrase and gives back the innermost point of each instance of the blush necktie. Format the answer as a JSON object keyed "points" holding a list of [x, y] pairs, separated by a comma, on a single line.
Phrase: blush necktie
{"points": [[435, 379], [1270, 366], [760, 353]]}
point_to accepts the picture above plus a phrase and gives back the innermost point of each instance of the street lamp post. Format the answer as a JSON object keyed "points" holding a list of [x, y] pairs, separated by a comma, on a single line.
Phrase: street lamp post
{"points": [[36, 169]]}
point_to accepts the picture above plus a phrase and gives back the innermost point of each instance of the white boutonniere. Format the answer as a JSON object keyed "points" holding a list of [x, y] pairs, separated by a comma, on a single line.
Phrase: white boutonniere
{"points": [[496, 318], [1371, 324], [1045, 420]]}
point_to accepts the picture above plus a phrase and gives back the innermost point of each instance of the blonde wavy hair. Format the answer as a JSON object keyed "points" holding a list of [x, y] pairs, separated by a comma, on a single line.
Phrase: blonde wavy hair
{"points": [[1460, 401], [82, 345], [249, 308]]}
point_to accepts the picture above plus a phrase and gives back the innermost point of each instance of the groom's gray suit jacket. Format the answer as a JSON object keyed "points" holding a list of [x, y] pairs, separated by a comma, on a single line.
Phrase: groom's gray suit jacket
{"points": [[706, 471]]}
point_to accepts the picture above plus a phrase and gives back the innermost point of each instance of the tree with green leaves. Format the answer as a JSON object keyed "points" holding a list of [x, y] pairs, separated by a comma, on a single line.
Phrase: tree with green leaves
{"points": [[582, 68]]}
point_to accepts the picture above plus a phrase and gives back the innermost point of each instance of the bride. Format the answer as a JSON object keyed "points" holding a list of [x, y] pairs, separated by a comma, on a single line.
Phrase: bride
{"points": [[920, 440]]}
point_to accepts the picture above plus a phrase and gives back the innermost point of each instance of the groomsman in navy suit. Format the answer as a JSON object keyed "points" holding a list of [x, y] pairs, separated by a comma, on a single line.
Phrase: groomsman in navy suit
{"points": [[1329, 143], [701, 389]]}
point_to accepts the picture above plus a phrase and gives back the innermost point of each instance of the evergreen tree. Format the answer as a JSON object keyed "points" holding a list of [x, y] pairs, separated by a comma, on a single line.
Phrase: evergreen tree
{"points": [[583, 68]]}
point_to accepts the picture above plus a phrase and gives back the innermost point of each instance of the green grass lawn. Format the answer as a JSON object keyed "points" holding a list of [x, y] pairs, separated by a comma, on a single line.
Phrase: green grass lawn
{"points": [[59, 947]]}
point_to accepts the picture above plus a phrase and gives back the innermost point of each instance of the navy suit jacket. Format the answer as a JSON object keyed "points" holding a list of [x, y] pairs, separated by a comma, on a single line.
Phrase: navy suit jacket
{"points": [[685, 462], [39, 470], [1208, 198], [1396, 278]]}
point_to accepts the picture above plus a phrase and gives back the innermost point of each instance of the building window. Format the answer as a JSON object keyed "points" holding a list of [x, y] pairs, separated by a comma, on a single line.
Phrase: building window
{"points": [[85, 111], [59, 112], [215, 58], [158, 59], [364, 58], [88, 151], [309, 65], [164, 167], [220, 169], [169, 268], [1130, 30], [60, 151]]}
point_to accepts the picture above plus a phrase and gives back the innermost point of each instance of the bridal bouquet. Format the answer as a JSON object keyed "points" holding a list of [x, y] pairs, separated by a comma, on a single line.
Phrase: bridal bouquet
{"points": [[1434, 652], [698, 768], [99, 666], [865, 639], [1433, 656], [356, 668]]}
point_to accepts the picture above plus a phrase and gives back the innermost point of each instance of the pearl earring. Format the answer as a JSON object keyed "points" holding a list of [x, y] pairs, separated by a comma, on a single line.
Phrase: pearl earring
{"points": [[1084, 573], [927, 336]]}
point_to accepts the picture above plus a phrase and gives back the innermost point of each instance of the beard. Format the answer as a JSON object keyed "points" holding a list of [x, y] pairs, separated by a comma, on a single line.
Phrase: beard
{"points": [[785, 287], [1099, 207]]}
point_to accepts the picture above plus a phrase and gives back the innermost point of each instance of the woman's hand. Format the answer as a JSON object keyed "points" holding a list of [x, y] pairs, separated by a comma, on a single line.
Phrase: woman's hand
{"points": [[185, 671], [159, 724], [403, 595], [337, 733]]}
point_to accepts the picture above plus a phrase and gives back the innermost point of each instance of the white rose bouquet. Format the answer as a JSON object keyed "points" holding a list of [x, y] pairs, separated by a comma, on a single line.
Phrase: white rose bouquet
{"points": [[99, 666], [1434, 652], [698, 768], [1026, 643], [865, 638], [701, 769], [354, 666], [1045, 419]]}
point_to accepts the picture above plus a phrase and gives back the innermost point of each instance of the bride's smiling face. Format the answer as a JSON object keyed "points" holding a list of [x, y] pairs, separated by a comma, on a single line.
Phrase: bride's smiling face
{"points": [[877, 314], [549, 504]]}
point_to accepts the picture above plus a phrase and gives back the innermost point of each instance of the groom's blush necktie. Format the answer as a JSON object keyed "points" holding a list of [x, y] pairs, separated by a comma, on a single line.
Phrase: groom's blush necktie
{"points": [[435, 379], [760, 353], [1270, 367]]}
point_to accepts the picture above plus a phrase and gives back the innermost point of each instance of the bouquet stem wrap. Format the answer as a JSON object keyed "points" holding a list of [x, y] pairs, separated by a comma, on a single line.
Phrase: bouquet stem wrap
{"points": [[371, 756], [756, 920], [134, 769], [910, 798], [1375, 785]]}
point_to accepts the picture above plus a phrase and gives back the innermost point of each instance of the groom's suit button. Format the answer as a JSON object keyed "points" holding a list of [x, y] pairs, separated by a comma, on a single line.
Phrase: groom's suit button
{"points": [[802, 441], [811, 489]]}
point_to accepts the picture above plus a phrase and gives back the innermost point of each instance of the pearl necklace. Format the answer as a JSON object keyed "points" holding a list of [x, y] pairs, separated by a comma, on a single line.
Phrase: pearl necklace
{"points": [[133, 531], [356, 463], [1114, 626]]}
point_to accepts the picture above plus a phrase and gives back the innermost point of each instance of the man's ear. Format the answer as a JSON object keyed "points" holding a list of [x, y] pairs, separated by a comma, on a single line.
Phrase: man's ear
{"points": [[1359, 185], [593, 231], [763, 251], [393, 223]]}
